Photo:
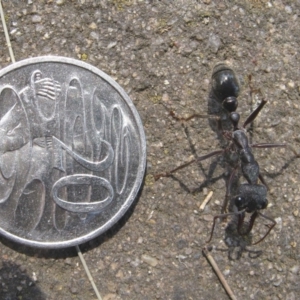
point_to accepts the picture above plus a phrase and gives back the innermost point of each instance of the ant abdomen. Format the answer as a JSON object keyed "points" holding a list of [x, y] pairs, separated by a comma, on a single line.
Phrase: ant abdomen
{"points": [[225, 86]]}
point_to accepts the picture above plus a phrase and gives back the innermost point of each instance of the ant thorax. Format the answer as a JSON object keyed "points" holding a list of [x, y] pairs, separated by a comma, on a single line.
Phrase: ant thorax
{"points": [[240, 138]]}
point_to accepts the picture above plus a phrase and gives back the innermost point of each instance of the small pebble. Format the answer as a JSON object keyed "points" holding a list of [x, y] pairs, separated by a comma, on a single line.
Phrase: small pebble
{"points": [[135, 263], [226, 272], [291, 84], [165, 97], [120, 274], [34, 277], [93, 26], [36, 19], [188, 251], [111, 45], [22, 268], [288, 9], [110, 297], [95, 36], [152, 261], [208, 218], [214, 42], [278, 282], [73, 290], [295, 269]]}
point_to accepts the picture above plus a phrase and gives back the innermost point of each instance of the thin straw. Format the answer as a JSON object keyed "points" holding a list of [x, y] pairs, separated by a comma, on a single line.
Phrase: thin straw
{"points": [[87, 271], [219, 274], [11, 53]]}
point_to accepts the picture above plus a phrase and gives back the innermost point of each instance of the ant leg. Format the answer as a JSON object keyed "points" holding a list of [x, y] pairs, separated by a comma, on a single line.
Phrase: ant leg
{"points": [[173, 115], [251, 223], [213, 153], [270, 227], [252, 90], [261, 178], [200, 158], [168, 174], [254, 114], [219, 122], [195, 115], [214, 223], [267, 145], [228, 191], [240, 224], [253, 253]]}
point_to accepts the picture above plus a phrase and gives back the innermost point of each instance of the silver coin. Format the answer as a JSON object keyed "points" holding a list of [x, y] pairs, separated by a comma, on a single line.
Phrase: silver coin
{"points": [[72, 152]]}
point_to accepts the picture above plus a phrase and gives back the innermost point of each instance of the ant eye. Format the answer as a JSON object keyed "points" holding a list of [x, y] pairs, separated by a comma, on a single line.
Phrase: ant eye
{"points": [[238, 202]]}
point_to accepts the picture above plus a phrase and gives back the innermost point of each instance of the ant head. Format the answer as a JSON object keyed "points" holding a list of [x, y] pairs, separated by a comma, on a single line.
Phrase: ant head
{"points": [[240, 202], [235, 118], [250, 204], [252, 197], [230, 103], [245, 203]]}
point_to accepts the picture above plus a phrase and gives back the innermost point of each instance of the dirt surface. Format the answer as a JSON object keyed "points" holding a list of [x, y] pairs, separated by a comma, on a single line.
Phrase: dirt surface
{"points": [[163, 52]]}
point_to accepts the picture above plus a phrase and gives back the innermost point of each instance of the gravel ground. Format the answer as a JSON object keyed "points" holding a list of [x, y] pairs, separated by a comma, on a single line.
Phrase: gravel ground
{"points": [[164, 52]]}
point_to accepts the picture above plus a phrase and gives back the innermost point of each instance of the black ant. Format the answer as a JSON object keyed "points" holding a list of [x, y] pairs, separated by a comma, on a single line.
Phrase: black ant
{"points": [[251, 196]]}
